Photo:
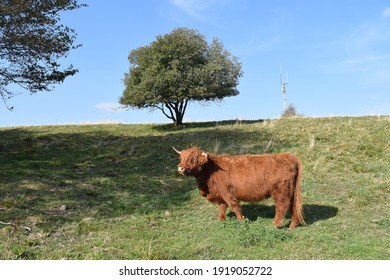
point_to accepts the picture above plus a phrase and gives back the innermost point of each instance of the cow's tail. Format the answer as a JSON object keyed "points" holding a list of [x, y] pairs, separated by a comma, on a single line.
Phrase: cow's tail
{"points": [[297, 199]]}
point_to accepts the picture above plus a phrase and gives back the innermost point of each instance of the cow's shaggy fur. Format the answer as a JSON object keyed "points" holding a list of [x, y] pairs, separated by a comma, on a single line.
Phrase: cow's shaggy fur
{"points": [[226, 180]]}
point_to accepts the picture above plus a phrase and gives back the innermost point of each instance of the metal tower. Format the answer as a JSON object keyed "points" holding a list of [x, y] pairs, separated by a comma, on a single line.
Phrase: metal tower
{"points": [[284, 89]]}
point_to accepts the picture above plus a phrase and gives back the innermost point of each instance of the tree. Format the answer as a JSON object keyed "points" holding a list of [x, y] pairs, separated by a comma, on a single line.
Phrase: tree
{"points": [[32, 41], [177, 68], [291, 111]]}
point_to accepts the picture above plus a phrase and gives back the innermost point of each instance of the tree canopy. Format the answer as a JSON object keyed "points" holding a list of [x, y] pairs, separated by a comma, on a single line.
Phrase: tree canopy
{"points": [[177, 68], [32, 41]]}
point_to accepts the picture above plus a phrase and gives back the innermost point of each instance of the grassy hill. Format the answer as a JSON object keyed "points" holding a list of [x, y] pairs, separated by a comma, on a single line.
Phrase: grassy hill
{"points": [[112, 191]]}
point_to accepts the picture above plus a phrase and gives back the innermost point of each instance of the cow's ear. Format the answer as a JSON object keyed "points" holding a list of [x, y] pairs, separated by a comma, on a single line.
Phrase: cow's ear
{"points": [[211, 157], [204, 158]]}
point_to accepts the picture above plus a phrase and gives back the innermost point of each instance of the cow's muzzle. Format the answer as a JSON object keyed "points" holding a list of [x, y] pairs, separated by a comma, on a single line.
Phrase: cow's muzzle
{"points": [[184, 171]]}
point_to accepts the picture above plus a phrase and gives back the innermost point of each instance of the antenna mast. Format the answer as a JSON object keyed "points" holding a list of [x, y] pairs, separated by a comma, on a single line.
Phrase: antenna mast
{"points": [[284, 89]]}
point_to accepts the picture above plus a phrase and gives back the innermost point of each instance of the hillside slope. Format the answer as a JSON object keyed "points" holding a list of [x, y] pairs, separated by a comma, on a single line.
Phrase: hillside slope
{"points": [[112, 191]]}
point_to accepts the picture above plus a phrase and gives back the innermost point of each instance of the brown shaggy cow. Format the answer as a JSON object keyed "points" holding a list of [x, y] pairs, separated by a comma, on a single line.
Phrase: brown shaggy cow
{"points": [[226, 180]]}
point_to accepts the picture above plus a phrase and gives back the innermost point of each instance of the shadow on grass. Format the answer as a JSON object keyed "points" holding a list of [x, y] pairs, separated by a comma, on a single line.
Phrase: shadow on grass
{"points": [[172, 127], [312, 212]]}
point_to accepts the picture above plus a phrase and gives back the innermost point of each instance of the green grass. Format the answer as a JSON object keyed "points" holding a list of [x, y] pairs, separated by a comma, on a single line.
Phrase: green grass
{"points": [[124, 199]]}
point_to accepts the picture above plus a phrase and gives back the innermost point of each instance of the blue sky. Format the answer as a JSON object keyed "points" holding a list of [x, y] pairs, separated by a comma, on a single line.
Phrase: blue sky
{"points": [[336, 53]]}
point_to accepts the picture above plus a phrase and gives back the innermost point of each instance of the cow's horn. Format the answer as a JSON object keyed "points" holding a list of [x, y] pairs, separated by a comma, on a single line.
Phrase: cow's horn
{"points": [[177, 151]]}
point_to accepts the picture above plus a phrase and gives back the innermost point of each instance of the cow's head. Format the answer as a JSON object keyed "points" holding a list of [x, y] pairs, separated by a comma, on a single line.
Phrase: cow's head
{"points": [[191, 161]]}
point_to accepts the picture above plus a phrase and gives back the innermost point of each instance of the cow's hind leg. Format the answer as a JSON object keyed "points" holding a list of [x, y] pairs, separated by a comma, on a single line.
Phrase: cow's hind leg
{"points": [[237, 211], [222, 211], [282, 203], [281, 210]]}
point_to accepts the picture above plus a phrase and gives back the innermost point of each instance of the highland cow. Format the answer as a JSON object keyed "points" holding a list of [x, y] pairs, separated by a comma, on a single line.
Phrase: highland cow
{"points": [[226, 180]]}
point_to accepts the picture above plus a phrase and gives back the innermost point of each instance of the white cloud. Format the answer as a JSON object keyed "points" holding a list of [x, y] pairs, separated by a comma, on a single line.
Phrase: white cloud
{"points": [[195, 8], [368, 38], [386, 12], [366, 52], [108, 106], [255, 45], [191, 7], [367, 59]]}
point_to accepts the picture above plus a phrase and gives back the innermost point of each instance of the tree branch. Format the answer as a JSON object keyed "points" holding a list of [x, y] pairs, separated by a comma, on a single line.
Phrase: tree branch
{"points": [[185, 106], [171, 117], [31, 42], [170, 111], [14, 225]]}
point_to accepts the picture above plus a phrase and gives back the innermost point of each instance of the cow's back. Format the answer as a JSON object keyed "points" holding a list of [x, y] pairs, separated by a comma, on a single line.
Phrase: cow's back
{"points": [[253, 177]]}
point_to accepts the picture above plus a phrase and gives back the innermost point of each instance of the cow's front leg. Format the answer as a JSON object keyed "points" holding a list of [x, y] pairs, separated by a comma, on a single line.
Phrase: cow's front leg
{"points": [[222, 211], [234, 204], [202, 192]]}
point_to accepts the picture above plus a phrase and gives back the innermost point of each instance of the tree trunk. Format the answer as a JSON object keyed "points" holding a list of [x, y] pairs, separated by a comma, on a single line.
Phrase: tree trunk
{"points": [[176, 111], [179, 119]]}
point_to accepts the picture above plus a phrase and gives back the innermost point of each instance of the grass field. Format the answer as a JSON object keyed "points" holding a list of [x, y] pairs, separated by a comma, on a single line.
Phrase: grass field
{"points": [[112, 191]]}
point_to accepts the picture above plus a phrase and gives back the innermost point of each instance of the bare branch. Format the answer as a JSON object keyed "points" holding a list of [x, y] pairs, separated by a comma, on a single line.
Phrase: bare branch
{"points": [[163, 111], [170, 111], [15, 225]]}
